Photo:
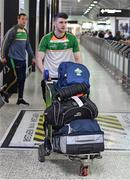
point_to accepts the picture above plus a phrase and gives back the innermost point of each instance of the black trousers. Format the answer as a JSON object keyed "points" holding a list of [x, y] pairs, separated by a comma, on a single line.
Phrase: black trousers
{"points": [[20, 67], [15, 76]]}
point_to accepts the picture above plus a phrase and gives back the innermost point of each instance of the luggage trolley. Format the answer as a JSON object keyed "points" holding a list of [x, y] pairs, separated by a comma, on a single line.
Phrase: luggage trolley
{"points": [[47, 147]]}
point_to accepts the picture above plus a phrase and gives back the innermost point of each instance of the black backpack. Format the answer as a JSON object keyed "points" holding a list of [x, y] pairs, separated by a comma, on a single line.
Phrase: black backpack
{"points": [[63, 112]]}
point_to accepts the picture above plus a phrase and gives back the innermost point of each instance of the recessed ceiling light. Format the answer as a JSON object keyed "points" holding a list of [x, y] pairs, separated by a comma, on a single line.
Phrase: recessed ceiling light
{"points": [[92, 5]]}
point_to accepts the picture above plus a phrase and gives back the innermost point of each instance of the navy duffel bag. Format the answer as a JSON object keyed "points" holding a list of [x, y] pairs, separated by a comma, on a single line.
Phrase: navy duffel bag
{"points": [[79, 137]]}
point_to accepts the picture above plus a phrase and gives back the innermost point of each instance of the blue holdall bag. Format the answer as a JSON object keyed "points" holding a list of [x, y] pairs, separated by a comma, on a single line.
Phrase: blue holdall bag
{"points": [[72, 73], [81, 136]]}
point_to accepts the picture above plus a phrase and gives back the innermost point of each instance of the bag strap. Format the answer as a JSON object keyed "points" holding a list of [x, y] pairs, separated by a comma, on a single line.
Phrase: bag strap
{"points": [[77, 100], [56, 111]]}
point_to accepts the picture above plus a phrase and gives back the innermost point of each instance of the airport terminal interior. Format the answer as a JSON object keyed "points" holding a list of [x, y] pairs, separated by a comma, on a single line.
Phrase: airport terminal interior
{"points": [[108, 61]]}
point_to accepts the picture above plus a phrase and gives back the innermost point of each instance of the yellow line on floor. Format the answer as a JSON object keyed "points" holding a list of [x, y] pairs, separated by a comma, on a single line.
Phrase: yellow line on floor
{"points": [[111, 126], [39, 137], [40, 126], [110, 140], [108, 118], [111, 130], [39, 131], [40, 123], [108, 121]]}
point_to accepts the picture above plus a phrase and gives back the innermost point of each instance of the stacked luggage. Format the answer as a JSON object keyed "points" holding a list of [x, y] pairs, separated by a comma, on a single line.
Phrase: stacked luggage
{"points": [[72, 114]]}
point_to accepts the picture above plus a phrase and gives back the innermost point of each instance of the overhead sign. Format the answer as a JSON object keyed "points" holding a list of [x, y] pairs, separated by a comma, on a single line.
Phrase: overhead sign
{"points": [[73, 22], [111, 11], [115, 12]]}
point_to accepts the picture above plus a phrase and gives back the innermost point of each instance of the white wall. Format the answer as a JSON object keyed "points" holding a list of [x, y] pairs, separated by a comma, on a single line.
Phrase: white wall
{"points": [[37, 24], [1, 31], [113, 25], [26, 10], [80, 19], [76, 29], [2, 16]]}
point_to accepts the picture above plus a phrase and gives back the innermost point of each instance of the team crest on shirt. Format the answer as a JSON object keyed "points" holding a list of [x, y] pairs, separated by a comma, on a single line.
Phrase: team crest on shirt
{"points": [[65, 45], [53, 46]]}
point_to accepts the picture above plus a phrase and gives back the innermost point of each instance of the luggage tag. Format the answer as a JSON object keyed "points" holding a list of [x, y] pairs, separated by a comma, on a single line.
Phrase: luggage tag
{"points": [[77, 100]]}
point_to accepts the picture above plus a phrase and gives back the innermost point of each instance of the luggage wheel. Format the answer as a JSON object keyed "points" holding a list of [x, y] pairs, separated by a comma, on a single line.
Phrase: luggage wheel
{"points": [[44, 150], [84, 170], [85, 165], [47, 146], [41, 153]]}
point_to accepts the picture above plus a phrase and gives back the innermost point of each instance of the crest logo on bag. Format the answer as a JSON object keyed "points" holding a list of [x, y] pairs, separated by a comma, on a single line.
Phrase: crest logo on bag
{"points": [[78, 114], [72, 73], [78, 72]]}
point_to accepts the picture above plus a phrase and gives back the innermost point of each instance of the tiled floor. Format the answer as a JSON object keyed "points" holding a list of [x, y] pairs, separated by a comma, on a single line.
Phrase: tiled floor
{"points": [[24, 164]]}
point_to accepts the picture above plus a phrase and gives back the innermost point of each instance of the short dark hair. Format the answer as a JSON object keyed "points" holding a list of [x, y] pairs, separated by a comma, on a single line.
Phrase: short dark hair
{"points": [[21, 14], [61, 15]]}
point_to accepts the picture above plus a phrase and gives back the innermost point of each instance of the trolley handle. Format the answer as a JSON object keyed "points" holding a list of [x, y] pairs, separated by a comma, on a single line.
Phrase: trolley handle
{"points": [[51, 80], [46, 76]]}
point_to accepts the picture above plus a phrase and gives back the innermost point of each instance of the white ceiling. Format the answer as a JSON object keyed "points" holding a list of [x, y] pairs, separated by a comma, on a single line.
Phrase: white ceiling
{"points": [[73, 7]]}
